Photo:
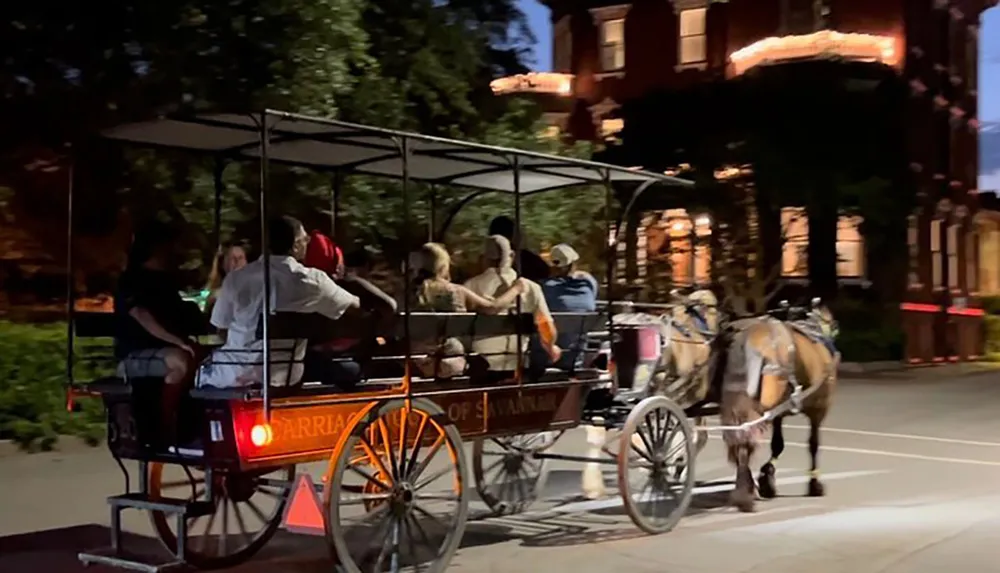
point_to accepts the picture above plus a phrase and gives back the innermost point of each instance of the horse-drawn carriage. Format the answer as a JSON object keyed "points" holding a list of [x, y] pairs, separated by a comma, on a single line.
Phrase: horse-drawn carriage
{"points": [[395, 490]]}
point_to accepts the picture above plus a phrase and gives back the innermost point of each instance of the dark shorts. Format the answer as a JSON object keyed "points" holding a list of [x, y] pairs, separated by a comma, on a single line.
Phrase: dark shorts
{"points": [[148, 363]]}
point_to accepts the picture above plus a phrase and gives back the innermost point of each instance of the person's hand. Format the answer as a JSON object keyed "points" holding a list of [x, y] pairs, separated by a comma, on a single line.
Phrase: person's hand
{"points": [[555, 353], [189, 347], [521, 285]]}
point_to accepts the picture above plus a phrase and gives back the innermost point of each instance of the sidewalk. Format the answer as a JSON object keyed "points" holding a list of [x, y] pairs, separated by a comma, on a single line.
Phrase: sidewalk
{"points": [[923, 373]]}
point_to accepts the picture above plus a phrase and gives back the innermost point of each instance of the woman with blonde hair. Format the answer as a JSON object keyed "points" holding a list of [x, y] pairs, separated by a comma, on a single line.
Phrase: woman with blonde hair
{"points": [[434, 292], [231, 256]]}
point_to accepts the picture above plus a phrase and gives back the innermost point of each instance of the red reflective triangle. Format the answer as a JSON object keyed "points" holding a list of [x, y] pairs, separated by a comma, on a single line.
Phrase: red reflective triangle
{"points": [[304, 514]]}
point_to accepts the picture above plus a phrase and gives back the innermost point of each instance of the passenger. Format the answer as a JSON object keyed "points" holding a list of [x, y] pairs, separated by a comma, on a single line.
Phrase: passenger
{"points": [[323, 254], [230, 257], [433, 291], [568, 290], [294, 288], [152, 322], [532, 266], [501, 351]]}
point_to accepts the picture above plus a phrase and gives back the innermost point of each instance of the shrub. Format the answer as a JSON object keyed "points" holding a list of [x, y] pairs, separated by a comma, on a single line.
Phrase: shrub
{"points": [[991, 304], [869, 331], [33, 388]]}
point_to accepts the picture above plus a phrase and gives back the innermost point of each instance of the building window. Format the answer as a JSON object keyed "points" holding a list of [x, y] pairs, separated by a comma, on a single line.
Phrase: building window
{"points": [[692, 42], [562, 46], [610, 128], [913, 242], [795, 248], [971, 261], [937, 280], [850, 247], [613, 44], [952, 246]]}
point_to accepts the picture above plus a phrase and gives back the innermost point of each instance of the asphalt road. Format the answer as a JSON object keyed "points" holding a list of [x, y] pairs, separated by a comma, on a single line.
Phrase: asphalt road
{"points": [[911, 467]]}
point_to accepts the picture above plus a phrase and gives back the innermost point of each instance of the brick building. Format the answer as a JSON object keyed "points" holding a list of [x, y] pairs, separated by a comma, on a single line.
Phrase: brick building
{"points": [[657, 78]]}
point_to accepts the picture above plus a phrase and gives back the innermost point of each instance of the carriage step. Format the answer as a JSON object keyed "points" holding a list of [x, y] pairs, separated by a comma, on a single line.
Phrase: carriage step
{"points": [[164, 504], [109, 557]]}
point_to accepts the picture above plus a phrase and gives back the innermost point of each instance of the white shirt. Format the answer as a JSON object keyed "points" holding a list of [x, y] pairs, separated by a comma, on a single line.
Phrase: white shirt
{"points": [[501, 351], [238, 309]]}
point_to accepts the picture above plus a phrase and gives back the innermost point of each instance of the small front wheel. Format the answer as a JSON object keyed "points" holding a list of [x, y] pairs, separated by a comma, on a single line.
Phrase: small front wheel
{"points": [[509, 478], [656, 464]]}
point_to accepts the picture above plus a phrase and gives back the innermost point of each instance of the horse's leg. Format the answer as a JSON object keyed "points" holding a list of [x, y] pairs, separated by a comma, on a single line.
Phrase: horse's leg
{"points": [[816, 488], [765, 481], [742, 496]]}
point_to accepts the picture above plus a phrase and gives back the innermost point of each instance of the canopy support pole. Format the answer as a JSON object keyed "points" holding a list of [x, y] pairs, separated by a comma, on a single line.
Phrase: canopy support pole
{"points": [[516, 166], [458, 207], [220, 168], [336, 188], [70, 285], [404, 153], [265, 244], [432, 220]]}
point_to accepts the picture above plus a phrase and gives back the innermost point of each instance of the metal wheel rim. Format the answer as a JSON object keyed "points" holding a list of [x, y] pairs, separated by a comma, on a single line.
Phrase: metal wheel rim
{"points": [[211, 549], [396, 537], [518, 478], [664, 436]]}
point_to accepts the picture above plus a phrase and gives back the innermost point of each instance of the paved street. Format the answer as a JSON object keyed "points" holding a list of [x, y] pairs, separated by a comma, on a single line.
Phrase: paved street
{"points": [[912, 470]]}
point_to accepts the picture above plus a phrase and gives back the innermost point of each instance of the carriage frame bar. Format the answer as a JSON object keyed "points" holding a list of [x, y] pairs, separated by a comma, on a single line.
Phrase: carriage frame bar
{"points": [[379, 152]]}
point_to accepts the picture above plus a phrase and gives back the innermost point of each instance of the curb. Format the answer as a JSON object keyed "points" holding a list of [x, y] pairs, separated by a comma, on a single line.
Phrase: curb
{"points": [[870, 367]]}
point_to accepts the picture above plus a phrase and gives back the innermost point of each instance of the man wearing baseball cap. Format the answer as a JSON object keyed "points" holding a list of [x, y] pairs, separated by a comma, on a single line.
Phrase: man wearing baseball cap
{"points": [[567, 289]]}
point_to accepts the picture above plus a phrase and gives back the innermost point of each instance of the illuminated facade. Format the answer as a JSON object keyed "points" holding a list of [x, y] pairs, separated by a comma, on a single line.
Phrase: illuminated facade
{"points": [[644, 72]]}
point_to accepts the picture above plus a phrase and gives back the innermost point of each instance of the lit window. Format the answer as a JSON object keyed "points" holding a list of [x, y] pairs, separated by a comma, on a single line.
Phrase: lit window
{"points": [[913, 242], [850, 247], [795, 250], [613, 45], [936, 261], [971, 262], [610, 128], [953, 256], [562, 47], [692, 36]]}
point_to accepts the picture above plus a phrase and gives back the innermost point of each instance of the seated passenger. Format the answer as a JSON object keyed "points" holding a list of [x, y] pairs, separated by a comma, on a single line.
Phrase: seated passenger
{"points": [[532, 266], [230, 257], [294, 288], [150, 321], [501, 351], [323, 254], [433, 291], [567, 290]]}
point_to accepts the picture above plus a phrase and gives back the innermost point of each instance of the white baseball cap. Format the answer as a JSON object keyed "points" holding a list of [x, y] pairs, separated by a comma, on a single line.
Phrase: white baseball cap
{"points": [[563, 255]]}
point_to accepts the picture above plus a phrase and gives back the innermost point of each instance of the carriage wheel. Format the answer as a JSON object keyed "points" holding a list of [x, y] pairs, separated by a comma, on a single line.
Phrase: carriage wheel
{"points": [[656, 441], [396, 496], [248, 510], [508, 476]]}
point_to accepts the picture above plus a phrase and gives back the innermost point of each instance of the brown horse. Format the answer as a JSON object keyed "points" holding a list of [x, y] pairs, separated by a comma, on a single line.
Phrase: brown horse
{"points": [[775, 368]]}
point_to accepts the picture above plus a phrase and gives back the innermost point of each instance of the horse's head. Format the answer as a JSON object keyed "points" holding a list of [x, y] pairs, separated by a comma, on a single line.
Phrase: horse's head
{"points": [[823, 317], [707, 304]]}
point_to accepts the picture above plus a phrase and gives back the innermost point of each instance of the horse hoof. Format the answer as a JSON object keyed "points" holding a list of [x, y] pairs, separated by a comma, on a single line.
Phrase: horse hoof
{"points": [[742, 502], [816, 488], [766, 484]]}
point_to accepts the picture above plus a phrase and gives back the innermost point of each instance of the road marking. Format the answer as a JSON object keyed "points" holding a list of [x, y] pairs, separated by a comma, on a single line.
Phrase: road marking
{"points": [[716, 516], [824, 448], [616, 501], [903, 436]]}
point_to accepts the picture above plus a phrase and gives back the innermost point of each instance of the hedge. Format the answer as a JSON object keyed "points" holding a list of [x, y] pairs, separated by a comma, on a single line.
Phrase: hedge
{"points": [[33, 388]]}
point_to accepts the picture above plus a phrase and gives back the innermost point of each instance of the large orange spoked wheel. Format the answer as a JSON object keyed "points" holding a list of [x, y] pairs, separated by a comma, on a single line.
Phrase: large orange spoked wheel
{"points": [[248, 508], [396, 496]]}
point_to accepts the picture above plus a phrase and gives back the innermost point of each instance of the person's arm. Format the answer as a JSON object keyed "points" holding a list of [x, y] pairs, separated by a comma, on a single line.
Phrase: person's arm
{"points": [[224, 307], [481, 304], [371, 297], [546, 325], [329, 298], [153, 326]]}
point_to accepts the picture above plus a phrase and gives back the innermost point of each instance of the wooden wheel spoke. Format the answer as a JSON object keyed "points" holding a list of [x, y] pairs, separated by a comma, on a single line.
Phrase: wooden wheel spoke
{"points": [[361, 498], [418, 442], [421, 510], [385, 534], [247, 538], [373, 457], [371, 479], [256, 511], [383, 430], [432, 478], [224, 533], [414, 554], [203, 538], [419, 469]]}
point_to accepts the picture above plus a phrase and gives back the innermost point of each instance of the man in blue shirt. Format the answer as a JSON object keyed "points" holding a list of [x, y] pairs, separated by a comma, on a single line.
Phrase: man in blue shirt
{"points": [[567, 289]]}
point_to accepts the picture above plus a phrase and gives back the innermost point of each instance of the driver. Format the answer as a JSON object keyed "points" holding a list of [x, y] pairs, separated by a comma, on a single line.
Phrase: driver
{"points": [[294, 288]]}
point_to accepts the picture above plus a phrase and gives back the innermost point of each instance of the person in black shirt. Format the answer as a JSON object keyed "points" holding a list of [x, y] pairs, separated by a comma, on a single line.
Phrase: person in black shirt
{"points": [[151, 319], [532, 266]]}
